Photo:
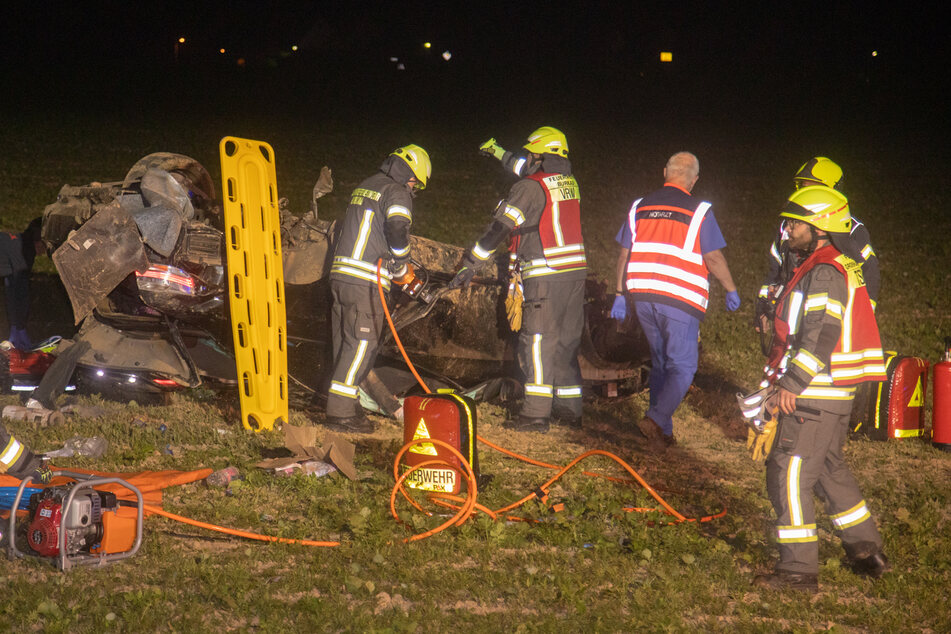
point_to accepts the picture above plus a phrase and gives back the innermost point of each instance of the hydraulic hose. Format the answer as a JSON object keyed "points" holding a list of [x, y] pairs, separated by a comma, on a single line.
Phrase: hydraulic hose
{"points": [[235, 532], [470, 503]]}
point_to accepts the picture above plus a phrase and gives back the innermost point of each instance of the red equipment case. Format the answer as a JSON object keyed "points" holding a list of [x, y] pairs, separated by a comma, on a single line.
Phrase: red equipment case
{"points": [[450, 418], [941, 405], [896, 407]]}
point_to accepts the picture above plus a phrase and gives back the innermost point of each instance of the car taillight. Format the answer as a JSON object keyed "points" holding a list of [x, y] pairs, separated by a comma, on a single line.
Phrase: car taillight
{"points": [[161, 277]]}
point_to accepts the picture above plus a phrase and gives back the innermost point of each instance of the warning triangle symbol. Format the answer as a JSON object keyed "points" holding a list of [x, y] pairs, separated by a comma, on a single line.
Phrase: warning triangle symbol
{"points": [[426, 448], [915, 398]]}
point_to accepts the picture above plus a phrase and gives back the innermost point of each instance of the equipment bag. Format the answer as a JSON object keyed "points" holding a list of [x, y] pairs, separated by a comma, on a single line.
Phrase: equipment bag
{"points": [[896, 406], [450, 418]]}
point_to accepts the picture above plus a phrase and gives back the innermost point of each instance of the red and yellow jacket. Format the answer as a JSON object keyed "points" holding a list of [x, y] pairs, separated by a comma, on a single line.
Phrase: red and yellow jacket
{"points": [[825, 339]]}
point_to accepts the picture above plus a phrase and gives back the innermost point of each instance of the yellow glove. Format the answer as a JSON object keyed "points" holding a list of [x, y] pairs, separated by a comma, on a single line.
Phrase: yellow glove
{"points": [[513, 303], [491, 148], [760, 443]]}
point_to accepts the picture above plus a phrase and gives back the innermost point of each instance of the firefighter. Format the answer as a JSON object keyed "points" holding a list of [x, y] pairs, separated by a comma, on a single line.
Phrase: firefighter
{"points": [[669, 244], [376, 226], [542, 213], [17, 460], [816, 171], [825, 342]]}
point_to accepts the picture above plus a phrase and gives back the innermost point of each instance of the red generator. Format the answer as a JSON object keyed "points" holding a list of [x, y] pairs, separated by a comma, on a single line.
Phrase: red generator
{"points": [[896, 407], [450, 418]]}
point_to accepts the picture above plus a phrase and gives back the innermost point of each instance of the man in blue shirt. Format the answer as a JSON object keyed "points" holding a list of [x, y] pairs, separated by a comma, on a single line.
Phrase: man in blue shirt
{"points": [[669, 245]]}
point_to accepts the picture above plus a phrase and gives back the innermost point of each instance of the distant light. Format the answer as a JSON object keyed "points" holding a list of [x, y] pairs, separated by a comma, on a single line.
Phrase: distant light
{"points": [[240, 61], [394, 59], [427, 45], [221, 50], [400, 66], [100, 373], [181, 40], [666, 56], [446, 55], [131, 379], [294, 48], [874, 53]]}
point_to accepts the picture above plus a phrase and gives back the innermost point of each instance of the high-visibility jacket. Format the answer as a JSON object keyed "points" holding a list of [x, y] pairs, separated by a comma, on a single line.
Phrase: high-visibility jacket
{"points": [[559, 227], [666, 263], [796, 361], [376, 206]]}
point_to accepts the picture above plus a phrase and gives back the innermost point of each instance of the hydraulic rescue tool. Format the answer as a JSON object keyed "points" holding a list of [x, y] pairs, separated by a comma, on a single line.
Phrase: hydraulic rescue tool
{"points": [[77, 524]]}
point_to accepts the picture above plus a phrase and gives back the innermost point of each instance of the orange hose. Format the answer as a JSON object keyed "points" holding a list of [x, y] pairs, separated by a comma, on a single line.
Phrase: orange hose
{"points": [[470, 504], [396, 337], [235, 532]]}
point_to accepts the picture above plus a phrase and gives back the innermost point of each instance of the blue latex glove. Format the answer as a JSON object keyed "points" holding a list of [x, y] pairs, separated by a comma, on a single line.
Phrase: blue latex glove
{"points": [[732, 301], [619, 309]]}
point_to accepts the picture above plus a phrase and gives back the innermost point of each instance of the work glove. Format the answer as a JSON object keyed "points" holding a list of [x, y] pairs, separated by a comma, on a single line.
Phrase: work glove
{"points": [[513, 302], [760, 443], [619, 309], [732, 301], [491, 148], [463, 277]]}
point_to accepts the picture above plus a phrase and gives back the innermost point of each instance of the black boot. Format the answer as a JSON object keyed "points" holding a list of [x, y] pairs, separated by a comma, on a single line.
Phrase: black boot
{"points": [[781, 580], [356, 424], [873, 566], [527, 423]]}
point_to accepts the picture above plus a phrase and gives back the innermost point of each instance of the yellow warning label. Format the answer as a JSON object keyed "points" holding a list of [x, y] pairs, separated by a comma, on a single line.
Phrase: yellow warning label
{"points": [[915, 398], [426, 448]]}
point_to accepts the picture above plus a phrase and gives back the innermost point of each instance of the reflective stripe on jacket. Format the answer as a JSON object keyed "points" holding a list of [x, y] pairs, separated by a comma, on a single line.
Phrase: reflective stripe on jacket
{"points": [[362, 241], [666, 263], [857, 355], [559, 228]]}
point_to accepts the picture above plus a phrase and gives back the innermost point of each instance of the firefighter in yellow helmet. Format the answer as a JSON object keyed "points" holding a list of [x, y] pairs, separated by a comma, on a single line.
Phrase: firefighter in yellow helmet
{"points": [[825, 342], [376, 226], [816, 171], [542, 214]]}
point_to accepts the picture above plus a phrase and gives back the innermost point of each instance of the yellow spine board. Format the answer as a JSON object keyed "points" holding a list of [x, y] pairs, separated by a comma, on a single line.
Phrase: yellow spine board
{"points": [[256, 280]]}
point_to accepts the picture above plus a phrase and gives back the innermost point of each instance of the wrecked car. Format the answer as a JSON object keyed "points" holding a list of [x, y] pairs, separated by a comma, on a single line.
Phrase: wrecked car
{"points": [[142, 260]]}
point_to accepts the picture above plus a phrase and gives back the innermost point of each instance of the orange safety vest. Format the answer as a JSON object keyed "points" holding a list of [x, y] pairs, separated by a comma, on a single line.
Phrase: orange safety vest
{"points": [[857, 356], [666, 261], [559, 228]]}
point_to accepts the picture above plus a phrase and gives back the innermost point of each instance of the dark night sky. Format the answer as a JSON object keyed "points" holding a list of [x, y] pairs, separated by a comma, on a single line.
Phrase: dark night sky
{"points": [[806, 53]]}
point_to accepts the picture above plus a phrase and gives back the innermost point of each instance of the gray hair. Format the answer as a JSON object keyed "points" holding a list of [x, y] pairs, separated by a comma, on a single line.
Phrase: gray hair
{"points": [[683, 165]]}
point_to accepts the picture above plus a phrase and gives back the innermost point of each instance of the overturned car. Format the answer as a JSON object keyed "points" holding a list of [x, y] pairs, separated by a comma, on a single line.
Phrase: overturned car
{"points": [[142, 260]]}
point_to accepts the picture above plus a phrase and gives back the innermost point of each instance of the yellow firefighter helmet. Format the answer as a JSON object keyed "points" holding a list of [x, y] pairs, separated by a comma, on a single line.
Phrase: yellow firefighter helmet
{"points": [[418, 160], [820, 206], [818, 171], [547, 140]]}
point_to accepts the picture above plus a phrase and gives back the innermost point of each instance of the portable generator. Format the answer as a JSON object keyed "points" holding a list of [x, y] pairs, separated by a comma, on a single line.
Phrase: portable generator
{"points": [[450, 418], [77, 524]]}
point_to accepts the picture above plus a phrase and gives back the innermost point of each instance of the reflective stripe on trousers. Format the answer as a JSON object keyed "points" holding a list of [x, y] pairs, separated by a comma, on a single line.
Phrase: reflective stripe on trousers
{"points": [[807, 460], [552, 323]]}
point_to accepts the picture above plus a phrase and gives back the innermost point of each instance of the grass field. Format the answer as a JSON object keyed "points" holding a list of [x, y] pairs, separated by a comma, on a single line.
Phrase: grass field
{"points": [[592, 567]]}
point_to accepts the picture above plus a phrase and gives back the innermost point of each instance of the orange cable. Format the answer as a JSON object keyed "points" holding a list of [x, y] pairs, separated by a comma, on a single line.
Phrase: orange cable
{"points": [[466, 510], [235, 532]]}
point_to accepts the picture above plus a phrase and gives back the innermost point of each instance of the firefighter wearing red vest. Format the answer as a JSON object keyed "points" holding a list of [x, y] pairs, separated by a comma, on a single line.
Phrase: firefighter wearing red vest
{"points": [[669, 244], [375, 227], [825, 342], [542, 213], [782, 260], [17, 460]]}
